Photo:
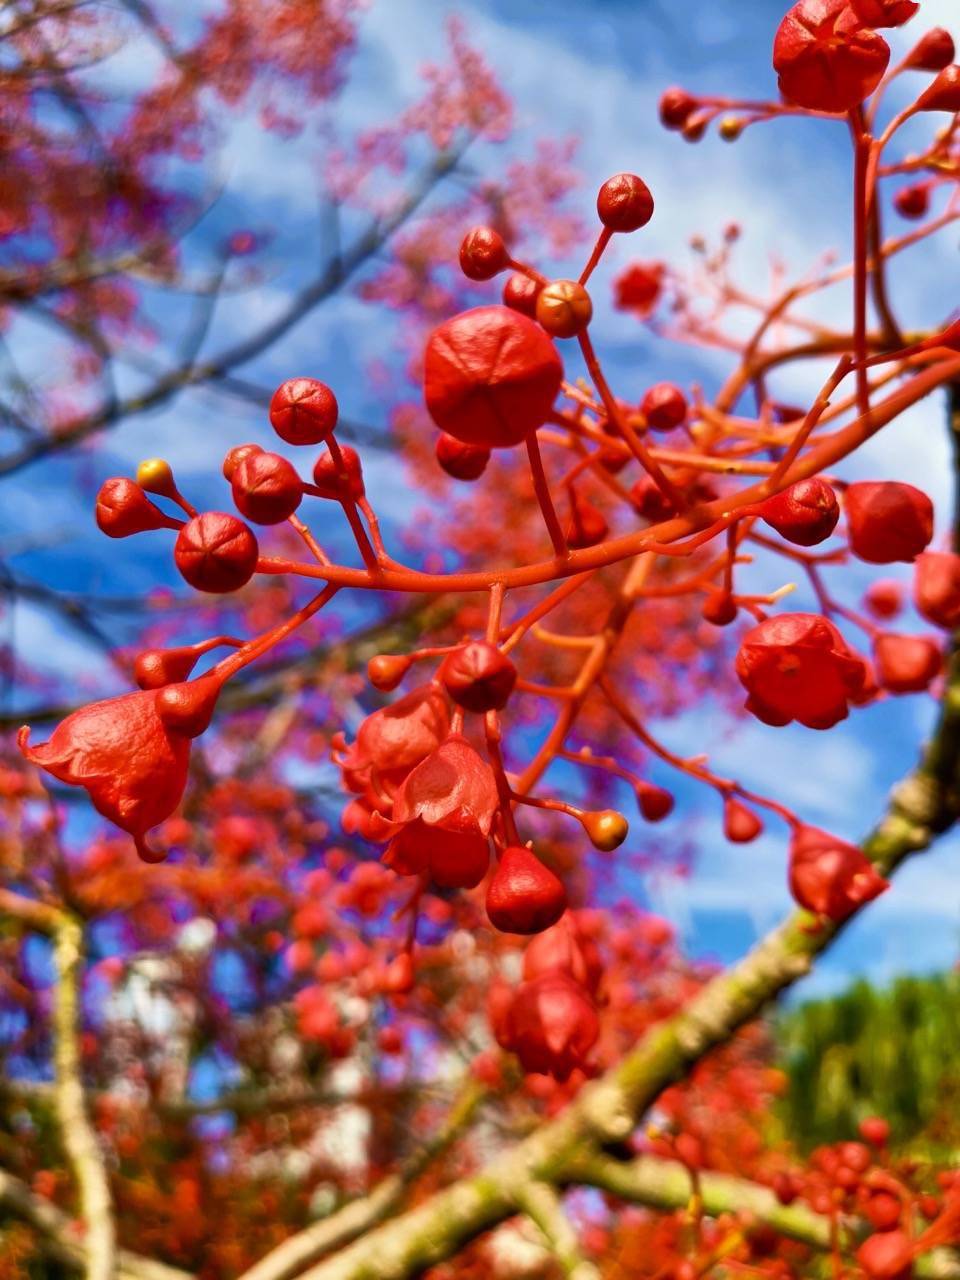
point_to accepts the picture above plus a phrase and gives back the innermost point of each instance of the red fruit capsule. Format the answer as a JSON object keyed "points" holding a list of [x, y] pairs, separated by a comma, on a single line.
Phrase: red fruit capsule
{"points": [[740, 823], [524, 896], [624, 203], [932, 52], [664, 406], [341, 482], [936, 588], [906, 664], [826, 59], [887, 521], [124, 509], [461, 461], [303, 411], [676, 106], [266, 488], [478, 677], [483, 254], [491, 376], [520, 293], [216, 552], [805, 513]]}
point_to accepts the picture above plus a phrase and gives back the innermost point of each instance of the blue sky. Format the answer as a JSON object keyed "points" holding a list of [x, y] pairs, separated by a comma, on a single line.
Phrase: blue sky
{"points": [[593, 70]]}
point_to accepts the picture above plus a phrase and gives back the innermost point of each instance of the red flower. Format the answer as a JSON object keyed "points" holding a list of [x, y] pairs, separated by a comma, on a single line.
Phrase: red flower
{"points": [[453, 859], [884, 13], [564, 948], [638, 288], [829, 876], [936, 588], [826, 58], [130, 753], [491, 376], [551, 1025], [797, 667], [452, 788], [887, 520], [906, 664]]}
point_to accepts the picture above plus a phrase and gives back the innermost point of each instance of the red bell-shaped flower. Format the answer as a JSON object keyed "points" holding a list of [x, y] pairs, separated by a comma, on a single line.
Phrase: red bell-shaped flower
{"points": [[491, 376], [452, 788], [524, 896], [796, 666], [884, 13], [551, 1025], [906, 664], [453, 859], [829, 876], [564, 948], [826, 57], [887, 520], [936, 588]]}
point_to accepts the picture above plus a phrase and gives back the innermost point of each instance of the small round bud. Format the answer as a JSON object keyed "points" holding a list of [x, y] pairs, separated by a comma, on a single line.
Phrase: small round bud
{"points": [[124, 509], [719, 608], [478, 677], [676, 105], [520, 293], [664, 406], [235, 456], [912, 201], [337, 484], [459, 460], [266, 488], [156, 476], [303, 411], [875, 1130], [386, 670], [932, 52], [587, 525], [483, 254], [730, 128], [624, 203], [564, 308], [740, 823], [693, 129], [655, 802], [606, 829], [216, 552], [944, 93]]}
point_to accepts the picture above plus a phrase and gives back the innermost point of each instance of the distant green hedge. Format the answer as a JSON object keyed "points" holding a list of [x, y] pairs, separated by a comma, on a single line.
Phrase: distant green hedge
{"points": [[893, 1052]]}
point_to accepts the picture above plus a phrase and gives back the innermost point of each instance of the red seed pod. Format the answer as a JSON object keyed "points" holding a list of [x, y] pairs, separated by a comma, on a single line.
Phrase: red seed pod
{"points": [[650, 500], [829, 876], [336, 483], [459, 460], [875, 1130], [884, 599], [624, 203], [796, 666], [303, 411], [740, 823], [906, 664], [216, 552], [655, 803], [719, 608], [524, 896], [664, 406], [944, 93], [266, 488], [913, 201], [564, 308], [124, 509], [386, 670], [491, 376], [587, 525], [826, 59], [887, 1256], [236, 455], [884, 13], [676, 106], [883, 1211], [887, 521], [932, 52], [551, 1025], [606, 829], [805, 513], [483, 254], [520, 293], [638, 287], [478, 677], [936, 588]]}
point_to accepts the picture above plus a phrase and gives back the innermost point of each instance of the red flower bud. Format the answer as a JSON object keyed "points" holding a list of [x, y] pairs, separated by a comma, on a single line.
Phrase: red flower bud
{"points": [[805, 513], [936, 588], [216, 552], [884, 13], [478, 677], [676, 106], [154, 668], [650, 500], [587, 525], [564, 948], [796, 666], [624, 203], [826, 58], [336, 483], [303, 411], [664, 406], [944, 93], [235, 456], [655, 802], [884, 599], [912, 201], [483, 254], [887, 521], [887, 1256], [638, 287], [461, 461], [564, 308], [719, 608], [551, 1025], [491, 376], [524, 896], [606, 829], [785, 1188], [740, 823], [906, 664], [266, 488], [386, 670], [875, 1130], [124, 509], [932, 52], [829, 876], [883, 1211], [520, 293]]}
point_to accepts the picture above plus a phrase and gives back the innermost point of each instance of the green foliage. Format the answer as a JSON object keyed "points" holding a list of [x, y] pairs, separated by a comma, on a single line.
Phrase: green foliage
{"points": [[892, 1052]]}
